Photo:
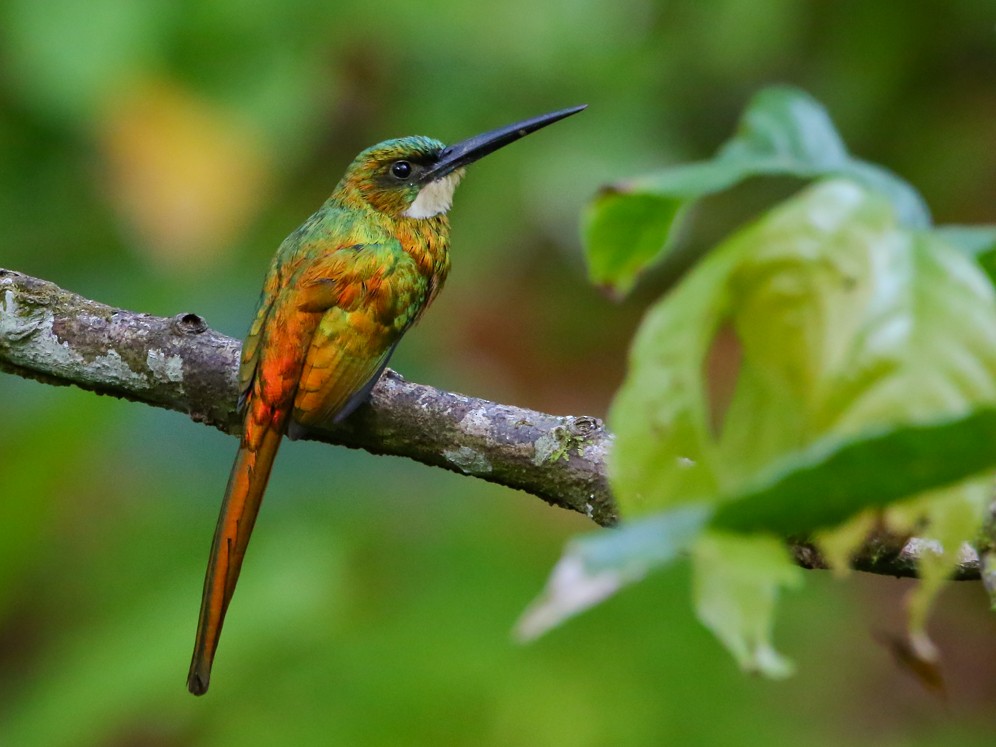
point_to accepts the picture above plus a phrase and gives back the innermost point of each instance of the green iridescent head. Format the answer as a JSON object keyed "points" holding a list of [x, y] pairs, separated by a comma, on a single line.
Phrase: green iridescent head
{"points": [[415, 176], [391, 177]]}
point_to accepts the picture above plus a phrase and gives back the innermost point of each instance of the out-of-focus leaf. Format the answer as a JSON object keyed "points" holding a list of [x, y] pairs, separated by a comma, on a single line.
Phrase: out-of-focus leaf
{"points": [[845, 476], [636, 221], [946, 519], [989, 576], [783, 132], [595, 566], [837, 544], [736, 583], [849, 328], [976, 241], [864, 374]]}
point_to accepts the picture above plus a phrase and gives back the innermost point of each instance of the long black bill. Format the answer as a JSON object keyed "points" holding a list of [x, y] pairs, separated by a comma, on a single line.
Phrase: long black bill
{"points": [[469, 150]]}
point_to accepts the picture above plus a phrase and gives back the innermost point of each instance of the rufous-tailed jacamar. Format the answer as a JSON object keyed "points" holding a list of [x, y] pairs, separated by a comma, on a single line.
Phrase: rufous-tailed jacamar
{"points": [[340, 293]]}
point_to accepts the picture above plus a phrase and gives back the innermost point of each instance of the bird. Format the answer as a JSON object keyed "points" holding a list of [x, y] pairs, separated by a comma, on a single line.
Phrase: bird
{"points": [[340, 293]]}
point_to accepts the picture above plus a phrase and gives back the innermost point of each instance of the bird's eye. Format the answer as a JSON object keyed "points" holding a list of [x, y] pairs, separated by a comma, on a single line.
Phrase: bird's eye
{"points": [[401, 169]]}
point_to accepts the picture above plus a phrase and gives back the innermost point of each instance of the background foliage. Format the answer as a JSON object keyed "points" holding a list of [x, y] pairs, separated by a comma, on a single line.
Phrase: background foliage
{"points": [[152, 156]]}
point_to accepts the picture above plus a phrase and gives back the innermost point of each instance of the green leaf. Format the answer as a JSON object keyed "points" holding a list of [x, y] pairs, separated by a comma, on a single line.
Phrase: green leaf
{"points": [[636, 221], [845, 478], [846, 475], [978, 242], [946, 519], [783, 132], [859, 364], [846, 329], [595, 566], [736, 583]]}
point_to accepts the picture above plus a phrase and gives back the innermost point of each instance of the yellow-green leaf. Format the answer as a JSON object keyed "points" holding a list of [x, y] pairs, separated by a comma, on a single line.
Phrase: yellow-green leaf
{"points": [[737, 579], [783, 132]]}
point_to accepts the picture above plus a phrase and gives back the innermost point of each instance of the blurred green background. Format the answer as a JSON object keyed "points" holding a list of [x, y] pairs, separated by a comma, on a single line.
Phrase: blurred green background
{"points": [[152, 156]]}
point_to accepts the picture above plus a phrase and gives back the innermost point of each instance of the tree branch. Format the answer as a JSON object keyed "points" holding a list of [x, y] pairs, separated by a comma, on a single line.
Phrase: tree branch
{"points": [[58, 337], [178, 363]]}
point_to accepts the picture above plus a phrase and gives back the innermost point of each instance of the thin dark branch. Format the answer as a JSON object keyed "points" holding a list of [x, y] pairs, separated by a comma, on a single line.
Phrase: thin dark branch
{"points": [[888, 555]]}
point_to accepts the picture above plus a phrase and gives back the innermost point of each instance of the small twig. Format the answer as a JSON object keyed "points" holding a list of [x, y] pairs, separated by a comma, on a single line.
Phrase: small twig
{"points": [[888, 555]]}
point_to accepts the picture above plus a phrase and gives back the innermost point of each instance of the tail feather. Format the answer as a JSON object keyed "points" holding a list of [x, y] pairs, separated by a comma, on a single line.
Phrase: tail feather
{"points": [[243, 497]]}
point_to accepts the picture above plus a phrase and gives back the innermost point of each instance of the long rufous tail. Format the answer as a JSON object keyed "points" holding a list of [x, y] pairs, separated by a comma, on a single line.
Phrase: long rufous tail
{"points": [[238, 514]]}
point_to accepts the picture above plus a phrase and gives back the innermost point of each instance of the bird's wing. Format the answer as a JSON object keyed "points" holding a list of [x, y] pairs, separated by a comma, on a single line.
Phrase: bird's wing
{"points": [[340, 364], [366, 308]]}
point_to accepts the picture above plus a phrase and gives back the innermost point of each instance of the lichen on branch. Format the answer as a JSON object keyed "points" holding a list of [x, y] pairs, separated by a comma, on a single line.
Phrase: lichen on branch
{"points": [[179, 363]]}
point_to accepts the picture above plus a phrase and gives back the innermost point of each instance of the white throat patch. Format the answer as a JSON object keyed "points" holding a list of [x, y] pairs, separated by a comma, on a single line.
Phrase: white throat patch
{"points": [[435, 197]]}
